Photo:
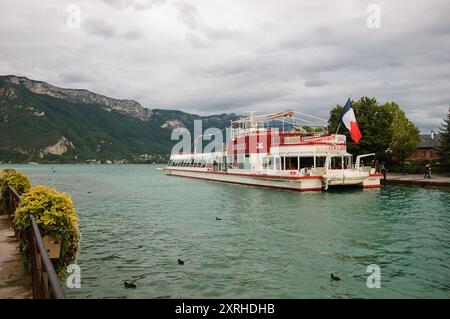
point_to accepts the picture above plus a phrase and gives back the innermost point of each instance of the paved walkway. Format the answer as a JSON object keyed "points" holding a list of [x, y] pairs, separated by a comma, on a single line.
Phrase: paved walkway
{"points": [[417, 179], [14, 283]]}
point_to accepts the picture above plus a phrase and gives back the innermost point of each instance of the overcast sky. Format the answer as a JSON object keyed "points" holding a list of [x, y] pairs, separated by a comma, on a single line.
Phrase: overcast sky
{"points": [[210, 56]]}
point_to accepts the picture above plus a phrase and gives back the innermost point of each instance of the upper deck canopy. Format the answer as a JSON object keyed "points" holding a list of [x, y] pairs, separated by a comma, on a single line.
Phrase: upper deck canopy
{"points": [[285, 121]]}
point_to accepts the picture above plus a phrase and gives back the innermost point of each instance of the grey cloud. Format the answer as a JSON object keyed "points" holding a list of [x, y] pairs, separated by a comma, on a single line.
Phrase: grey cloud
{"points": [[135, 4], [209, 57], [75, 77], [188, 14], [133, 34], [200, 35], [238, 99], [100, 28], [315, 83], [197, 41], [106, 30]]}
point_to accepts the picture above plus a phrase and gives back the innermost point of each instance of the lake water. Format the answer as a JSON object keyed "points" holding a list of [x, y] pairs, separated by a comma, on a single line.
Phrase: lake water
{"points": [[136, 222]]}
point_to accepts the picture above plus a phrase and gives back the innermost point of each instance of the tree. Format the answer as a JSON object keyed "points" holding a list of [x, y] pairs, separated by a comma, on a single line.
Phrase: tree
{"points": [[375, 124], [405, 136], [444, 144], [382, 127]]}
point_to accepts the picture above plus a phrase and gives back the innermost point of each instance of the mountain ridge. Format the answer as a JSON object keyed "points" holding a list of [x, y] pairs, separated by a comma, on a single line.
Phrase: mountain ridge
{"points": [[37, 127], [125, 106]]}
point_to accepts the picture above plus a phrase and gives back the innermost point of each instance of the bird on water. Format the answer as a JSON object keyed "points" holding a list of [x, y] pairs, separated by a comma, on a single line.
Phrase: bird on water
{"points": [[129, 285], [217, 218], [180, 262], [335, 278]]}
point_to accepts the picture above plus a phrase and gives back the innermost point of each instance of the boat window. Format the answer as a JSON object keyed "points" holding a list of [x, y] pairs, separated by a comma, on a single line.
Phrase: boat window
{"points": [[229, 160], [248, 163], [347, 162], [291, 163], [306, 162], [270, 162], [277, 163], [265, 162], [320, 161], [241, 161], [336, 163]]}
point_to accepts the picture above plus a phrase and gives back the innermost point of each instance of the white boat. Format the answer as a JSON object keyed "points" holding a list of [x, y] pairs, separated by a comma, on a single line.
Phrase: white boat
{"points": [[288, 156]]}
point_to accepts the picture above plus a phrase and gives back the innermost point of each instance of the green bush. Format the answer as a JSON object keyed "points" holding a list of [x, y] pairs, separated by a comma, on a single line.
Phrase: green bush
{"points": [[55, 216], [16, 180]]}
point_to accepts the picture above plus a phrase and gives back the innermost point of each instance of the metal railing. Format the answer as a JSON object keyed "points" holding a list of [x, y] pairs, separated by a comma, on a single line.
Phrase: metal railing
{"points": [[13, 201], [45, 282], [44, 279]]}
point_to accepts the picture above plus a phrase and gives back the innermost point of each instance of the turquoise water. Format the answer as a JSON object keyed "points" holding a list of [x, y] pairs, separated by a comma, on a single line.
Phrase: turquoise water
{"points": [[136, 222]]}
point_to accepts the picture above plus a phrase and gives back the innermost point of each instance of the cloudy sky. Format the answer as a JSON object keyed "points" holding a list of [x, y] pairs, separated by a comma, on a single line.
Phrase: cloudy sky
{"points": [[211, 56]]}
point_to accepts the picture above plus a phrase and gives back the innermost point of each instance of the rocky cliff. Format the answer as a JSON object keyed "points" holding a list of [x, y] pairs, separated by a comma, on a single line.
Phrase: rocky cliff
{"points": [[127, 107]]}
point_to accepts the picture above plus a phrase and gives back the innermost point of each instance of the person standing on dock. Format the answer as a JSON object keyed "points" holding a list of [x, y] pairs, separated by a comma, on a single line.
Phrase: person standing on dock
{"points": [[427, 171], [383, 171]]}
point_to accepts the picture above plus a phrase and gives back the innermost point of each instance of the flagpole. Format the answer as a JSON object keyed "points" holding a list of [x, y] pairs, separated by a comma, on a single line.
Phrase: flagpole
{"points": [[339, 125]]}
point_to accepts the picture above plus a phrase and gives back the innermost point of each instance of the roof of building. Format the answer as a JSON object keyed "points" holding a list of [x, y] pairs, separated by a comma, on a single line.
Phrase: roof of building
{"points": [[426, 140]]}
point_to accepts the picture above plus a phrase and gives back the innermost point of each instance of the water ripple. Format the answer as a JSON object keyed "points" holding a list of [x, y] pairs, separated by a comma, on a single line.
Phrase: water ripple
{"points": [[136, 223]]}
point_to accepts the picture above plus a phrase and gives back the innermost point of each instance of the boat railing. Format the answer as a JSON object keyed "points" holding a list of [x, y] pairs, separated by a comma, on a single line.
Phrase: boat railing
{"points": [[44, 281]]}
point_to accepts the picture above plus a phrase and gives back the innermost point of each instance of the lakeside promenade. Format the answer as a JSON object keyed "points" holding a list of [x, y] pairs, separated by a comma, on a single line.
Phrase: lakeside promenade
{"points": [[14, 283], [418, 180]]}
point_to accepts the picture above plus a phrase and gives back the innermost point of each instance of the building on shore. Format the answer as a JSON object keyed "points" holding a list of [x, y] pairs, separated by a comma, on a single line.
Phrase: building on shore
{"points": [[427, 147]]}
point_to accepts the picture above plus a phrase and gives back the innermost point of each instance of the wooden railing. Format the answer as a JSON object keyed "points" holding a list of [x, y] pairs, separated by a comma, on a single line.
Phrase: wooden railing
{"points": [[44, 280]]}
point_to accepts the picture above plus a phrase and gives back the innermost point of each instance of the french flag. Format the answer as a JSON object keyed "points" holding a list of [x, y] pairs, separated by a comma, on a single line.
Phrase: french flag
{"points": [[349, 120]]}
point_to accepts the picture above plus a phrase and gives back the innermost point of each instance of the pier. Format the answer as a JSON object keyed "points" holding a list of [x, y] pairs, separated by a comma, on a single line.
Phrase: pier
{"points": [[418, 180], [14, 282], [42, 283]]}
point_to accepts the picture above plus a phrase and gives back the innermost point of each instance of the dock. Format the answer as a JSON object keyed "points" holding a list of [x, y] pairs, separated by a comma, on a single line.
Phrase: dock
{"points": [[14, 282], [418, 180]]}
